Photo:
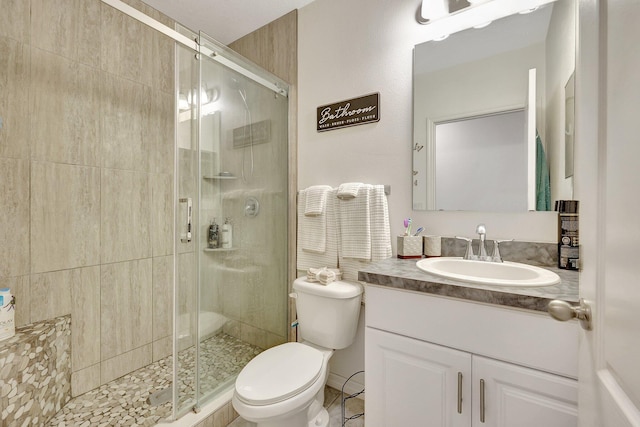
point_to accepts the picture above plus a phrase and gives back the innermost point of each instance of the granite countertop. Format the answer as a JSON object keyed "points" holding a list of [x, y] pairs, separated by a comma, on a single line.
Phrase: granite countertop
{"points": [[403, 274]]}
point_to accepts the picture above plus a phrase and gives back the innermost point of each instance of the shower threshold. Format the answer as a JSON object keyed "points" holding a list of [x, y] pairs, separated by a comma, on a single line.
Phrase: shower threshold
{"points": [[126, 400]]}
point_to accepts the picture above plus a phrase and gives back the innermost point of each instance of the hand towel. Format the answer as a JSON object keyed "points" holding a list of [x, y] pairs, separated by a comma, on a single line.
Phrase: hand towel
{"points": [[354, 228], [379, 223], [312, 230], [349, 190], [380, 235], [312, 256], [316, 198]]}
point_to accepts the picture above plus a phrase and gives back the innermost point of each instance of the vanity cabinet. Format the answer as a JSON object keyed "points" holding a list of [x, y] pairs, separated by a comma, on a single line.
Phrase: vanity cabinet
{"points": [[433, 361]]}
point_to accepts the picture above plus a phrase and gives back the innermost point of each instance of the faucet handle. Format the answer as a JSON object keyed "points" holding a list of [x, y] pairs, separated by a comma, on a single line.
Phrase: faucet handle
{"points": [[469, 252], [496, 257], [481, 229]]}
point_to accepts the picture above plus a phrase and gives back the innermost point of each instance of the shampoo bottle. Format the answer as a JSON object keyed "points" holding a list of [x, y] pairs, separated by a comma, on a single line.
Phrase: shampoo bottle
{"points": [[7, 314], [227, 234], [213, 241]]}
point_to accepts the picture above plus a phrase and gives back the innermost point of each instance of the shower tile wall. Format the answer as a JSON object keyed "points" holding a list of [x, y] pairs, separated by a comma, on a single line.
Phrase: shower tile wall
{"points": [[86, 179], [275, 48]]}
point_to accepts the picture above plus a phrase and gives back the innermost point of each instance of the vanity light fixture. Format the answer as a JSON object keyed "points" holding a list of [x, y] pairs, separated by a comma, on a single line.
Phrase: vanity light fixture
{"points": [[478, 14], [434, 9], [524, 12], [486, 24], [183, 104], [207, 96]]}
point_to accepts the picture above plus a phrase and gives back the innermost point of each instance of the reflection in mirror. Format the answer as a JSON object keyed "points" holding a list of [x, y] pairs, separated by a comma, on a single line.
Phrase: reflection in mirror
{"points": [[482, 163], [569, 125], [485, 73]]}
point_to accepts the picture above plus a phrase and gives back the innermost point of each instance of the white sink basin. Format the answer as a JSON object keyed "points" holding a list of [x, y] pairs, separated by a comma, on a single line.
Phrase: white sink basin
{"points": [[489, 273]]}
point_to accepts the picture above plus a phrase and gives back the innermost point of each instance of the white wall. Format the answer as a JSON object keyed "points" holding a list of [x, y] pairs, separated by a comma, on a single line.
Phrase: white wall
{"points": [[352, 48], [349, 49]]}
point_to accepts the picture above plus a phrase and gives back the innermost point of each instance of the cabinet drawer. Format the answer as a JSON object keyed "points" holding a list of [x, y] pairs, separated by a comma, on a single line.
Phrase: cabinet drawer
{"points": [[517, 336]]}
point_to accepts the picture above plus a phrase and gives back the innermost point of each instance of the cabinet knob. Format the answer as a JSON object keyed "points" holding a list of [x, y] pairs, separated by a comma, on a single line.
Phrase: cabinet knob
{"points": [[563, 311]]}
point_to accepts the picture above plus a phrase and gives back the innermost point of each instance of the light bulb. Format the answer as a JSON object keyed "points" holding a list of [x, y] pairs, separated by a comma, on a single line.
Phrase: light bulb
{"points": [[486, 24]]}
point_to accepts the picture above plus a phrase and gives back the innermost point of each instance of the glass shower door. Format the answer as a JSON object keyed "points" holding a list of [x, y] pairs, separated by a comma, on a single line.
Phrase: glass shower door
{"points": [[244, 165], [186, 236], [232, 194]]}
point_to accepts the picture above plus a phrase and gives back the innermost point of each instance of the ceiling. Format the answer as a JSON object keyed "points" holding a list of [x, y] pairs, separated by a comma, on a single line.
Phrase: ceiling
{"points": [[225, 20]]}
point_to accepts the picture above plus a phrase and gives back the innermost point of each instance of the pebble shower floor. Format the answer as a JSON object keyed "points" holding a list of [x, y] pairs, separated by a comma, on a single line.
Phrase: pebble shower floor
{"points": [[123, 402]]}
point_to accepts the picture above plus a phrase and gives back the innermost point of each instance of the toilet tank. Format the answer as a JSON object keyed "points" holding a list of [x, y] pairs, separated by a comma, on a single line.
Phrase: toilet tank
{"points": [[328, 314]]}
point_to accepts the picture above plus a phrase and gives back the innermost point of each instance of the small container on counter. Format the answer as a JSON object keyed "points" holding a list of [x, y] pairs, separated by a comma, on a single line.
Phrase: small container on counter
{"points": [[409, 247], [7, 314], [432, 246]]}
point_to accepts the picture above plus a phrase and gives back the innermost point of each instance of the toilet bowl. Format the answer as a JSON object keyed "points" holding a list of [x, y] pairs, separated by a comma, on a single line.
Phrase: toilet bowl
{"points": [[284, 385]]}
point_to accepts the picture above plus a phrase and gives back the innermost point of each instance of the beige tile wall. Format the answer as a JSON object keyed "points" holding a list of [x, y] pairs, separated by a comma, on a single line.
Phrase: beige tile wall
{"points": [[275, 48], [86, 179]]}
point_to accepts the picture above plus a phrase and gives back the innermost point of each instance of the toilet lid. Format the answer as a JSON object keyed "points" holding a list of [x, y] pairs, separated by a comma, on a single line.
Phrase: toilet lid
{"points": [[279, 373]]}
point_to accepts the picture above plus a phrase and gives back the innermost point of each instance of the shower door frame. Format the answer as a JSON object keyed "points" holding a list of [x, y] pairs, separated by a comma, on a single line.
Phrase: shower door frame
{"points": [[236, 62]]}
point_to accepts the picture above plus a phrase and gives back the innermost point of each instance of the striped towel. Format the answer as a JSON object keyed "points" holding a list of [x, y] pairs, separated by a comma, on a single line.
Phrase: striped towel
{"points": [[350, 268], [316, 199], [380, 235], [311, 251], [379, 222], [349, 190], [354, 229], [312, 230]]}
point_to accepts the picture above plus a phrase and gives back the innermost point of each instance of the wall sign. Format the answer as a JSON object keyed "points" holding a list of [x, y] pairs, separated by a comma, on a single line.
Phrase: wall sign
{"points": [[352, 112]]}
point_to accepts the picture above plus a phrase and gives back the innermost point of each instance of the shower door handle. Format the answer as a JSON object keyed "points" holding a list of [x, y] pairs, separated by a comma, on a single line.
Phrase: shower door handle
{"points": [[186, 236]]}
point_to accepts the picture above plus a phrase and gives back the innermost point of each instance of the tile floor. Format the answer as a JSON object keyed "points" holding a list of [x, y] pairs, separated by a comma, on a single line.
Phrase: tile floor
{"points": [[123, 402], [332, 401]]}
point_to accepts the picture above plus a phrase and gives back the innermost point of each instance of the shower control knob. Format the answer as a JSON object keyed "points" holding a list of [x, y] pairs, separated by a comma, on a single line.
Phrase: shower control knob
{"points": [[251, 207]]}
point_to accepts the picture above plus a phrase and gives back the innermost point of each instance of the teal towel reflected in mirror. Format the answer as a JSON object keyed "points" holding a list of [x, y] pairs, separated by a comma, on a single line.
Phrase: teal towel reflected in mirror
{"points": [[543, 187]]}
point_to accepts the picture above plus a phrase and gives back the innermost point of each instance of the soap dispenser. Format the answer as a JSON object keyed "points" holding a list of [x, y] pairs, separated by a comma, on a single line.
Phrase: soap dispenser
{"points": [[213, 240], [227, 234]]}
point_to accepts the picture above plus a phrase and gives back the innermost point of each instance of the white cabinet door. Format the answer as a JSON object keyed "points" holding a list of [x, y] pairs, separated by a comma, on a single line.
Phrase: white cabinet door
{"points": [[522, 397], [414, 383]]}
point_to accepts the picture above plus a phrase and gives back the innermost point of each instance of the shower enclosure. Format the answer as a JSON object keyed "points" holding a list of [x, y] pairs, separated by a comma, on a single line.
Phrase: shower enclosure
{"points": [[231, 169]]}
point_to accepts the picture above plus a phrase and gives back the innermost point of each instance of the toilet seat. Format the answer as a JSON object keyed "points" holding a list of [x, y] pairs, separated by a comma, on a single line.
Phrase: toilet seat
{"points": [[279, 373]]}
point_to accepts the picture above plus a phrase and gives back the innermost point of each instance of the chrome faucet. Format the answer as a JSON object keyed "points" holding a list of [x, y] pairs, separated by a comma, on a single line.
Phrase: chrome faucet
{"points": [[468, 254], [496, 257], [482, 249]]}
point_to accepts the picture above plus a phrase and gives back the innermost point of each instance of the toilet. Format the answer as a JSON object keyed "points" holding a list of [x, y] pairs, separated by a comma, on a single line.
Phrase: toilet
{"points": [[284, 385]]}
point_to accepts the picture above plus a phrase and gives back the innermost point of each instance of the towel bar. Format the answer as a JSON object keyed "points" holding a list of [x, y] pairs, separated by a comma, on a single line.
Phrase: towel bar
{"points": [[387, 190]]}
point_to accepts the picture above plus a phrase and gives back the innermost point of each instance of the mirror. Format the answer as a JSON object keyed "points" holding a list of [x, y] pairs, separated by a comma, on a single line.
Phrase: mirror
{"points": [[519, 66]]}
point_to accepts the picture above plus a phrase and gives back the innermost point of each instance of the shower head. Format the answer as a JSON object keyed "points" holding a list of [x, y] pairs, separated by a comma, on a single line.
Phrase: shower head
{"points": [[237, 85]]}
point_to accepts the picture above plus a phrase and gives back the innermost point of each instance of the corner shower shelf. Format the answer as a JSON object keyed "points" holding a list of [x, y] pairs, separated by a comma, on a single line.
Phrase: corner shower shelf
{"points": [[219, 177], [220, 249]]}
